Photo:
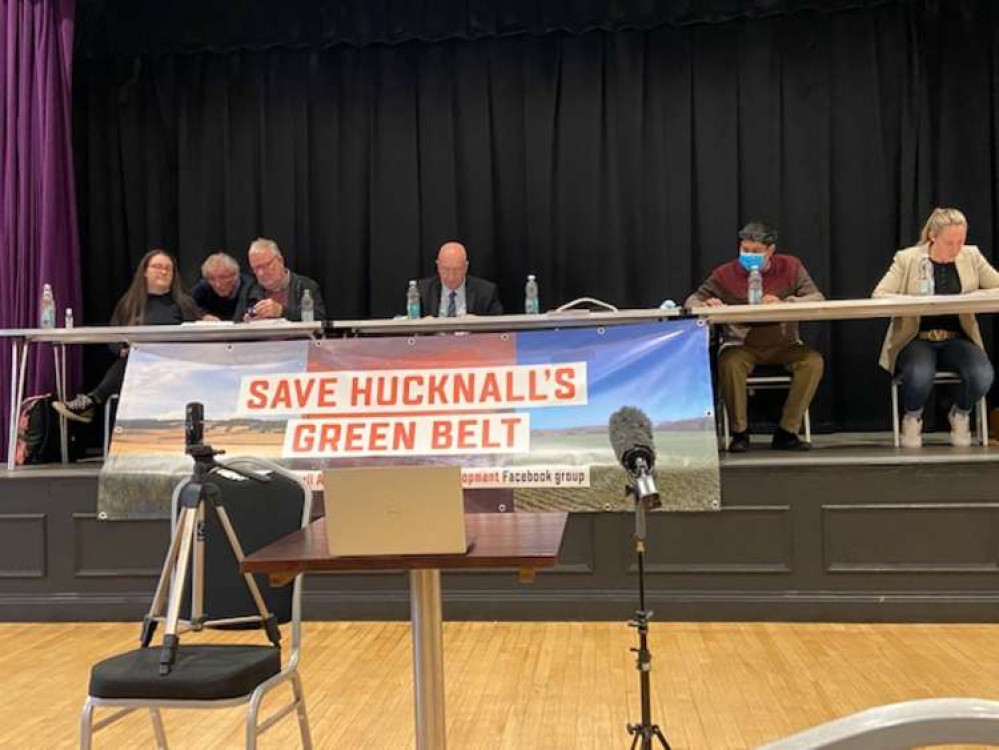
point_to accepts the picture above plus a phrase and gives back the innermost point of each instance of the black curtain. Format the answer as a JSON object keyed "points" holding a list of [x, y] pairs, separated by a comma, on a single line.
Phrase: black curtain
{"points": [[616, 162], [122, 28]]}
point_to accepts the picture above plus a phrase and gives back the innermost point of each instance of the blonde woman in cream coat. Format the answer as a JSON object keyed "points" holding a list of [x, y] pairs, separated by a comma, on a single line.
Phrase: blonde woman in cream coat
{"points": [[916, 347]]}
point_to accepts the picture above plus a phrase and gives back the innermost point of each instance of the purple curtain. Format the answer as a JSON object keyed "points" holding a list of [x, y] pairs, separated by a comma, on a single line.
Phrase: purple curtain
{"points": [[38, 230]]}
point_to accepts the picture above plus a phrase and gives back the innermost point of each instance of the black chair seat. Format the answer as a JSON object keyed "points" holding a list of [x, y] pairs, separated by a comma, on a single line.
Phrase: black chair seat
{"points": [[200, 672]]}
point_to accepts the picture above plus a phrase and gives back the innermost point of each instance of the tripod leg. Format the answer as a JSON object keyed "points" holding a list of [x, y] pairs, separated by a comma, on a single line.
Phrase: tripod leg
{"points": [[170, 639], [156, 609], [198, 574], [657, 732], [270, 622]]}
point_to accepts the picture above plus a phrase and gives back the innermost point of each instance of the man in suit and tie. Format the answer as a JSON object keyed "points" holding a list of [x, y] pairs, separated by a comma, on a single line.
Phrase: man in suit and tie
{"points": [[452, 292]]}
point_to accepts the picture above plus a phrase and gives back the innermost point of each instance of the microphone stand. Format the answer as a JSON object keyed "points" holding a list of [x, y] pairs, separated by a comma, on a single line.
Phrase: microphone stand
{"points": [[642, 487]]}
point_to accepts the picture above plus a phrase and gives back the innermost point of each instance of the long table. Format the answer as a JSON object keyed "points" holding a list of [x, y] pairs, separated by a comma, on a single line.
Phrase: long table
{"points": [[883, 307], [852, 309], [471, 323]]}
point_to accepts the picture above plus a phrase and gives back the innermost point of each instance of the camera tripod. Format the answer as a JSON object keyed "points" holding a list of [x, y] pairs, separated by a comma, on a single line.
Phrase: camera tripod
{"points": [[645, 731], [187, 550]]}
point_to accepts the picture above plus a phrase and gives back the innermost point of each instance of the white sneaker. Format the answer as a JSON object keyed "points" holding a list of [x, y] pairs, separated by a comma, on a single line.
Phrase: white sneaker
{"points": [[960, 432], [912, 431]]}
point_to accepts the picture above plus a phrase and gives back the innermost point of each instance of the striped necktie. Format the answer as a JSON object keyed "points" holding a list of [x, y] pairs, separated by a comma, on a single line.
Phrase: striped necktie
{"points": [[452, 306]]}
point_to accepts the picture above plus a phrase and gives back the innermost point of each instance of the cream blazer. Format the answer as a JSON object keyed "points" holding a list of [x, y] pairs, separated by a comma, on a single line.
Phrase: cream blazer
{"points": [[903, 278]]}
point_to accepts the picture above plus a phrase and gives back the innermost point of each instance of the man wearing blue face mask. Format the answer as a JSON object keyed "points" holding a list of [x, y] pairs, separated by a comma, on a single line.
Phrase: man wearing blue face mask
{"points": [[784, 279]]}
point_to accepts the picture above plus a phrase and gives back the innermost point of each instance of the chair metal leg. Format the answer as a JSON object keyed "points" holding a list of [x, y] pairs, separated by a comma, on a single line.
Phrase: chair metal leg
{"points": [[808, 425], [107, 429], [59, 362], [894, 414], [983, 422], [18, 380], [158, 731], [725, 426], [86, 725], [303, 718], [109, 404], [253, 719]]}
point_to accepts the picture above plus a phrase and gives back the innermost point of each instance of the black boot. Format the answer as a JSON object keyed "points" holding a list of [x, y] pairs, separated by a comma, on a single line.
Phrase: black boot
{"points": [[788, 441]]}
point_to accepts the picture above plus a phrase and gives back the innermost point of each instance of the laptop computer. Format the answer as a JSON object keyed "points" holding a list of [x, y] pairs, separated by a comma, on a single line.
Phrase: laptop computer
{"points": [[394, 510]]}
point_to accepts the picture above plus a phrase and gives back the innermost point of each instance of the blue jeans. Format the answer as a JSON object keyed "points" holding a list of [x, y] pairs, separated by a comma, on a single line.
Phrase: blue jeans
{"points": [[919, 361]]}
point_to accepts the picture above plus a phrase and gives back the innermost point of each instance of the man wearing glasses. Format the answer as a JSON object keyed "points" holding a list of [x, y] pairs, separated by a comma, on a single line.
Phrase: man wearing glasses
{"points": [[218, 291], [452, 292], [276, 292]]}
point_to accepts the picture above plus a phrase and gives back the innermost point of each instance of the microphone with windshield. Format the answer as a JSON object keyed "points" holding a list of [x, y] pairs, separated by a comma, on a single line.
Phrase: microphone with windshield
{"points": [[631, 438]]}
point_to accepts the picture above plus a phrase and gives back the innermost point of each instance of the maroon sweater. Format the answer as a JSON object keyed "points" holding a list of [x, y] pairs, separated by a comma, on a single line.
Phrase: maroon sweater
{"points": [[784, 277]]}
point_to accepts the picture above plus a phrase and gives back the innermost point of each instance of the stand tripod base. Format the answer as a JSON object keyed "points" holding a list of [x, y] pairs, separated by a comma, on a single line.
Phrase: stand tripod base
{"points": [[646, 735], [645, 731]]}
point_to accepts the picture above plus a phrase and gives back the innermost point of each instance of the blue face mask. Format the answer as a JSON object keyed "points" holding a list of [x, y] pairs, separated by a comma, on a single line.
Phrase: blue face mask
{"points": [[751, 261]]}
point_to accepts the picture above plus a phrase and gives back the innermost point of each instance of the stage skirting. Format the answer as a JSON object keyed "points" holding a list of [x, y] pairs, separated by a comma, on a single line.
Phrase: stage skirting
{"points": [[870, 536]]}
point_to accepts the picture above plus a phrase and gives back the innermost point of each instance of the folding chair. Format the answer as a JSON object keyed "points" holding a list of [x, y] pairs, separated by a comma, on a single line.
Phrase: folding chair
{"points": [[110, 411], [920, 723], [764, 382], [206, 676], [942, 377]]}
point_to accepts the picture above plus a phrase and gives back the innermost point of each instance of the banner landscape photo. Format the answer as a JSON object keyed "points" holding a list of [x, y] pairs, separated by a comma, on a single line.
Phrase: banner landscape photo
{"points": [[524, 414]]}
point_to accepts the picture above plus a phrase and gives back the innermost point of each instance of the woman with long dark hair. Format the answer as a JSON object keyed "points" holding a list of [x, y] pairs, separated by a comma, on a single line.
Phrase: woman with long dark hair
{"points": [[155, 297]]}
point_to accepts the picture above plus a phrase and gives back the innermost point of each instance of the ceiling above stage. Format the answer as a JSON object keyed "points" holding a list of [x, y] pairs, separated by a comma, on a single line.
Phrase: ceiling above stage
{"points": [[124, 28]]}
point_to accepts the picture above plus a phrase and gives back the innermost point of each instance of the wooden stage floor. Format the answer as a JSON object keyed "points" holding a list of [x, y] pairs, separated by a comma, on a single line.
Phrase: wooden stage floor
{"points": [[521, 686]]}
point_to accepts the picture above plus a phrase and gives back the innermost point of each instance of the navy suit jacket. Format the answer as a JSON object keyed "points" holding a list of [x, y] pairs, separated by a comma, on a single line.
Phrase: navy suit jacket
{"points": [[481, 296]]}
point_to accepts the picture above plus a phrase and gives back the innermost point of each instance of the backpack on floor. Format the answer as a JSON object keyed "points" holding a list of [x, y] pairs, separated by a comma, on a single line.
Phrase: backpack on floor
{"points": [[37, 431]]}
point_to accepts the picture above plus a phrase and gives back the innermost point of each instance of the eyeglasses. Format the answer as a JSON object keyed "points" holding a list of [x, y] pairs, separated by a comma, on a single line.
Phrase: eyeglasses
{"points": [[266, 264]]}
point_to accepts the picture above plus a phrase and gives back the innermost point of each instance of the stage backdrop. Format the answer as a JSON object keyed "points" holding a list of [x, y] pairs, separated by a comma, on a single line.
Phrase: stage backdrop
{"points": [[611, 148], [524, 414]]}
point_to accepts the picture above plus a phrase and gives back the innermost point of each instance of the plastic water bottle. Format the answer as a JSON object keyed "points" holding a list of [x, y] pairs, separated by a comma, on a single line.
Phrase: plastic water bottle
{"points": [[926, 282], [308, 307], [754, 292], [532, 305], [413, 301], [69, 317], [48, 307]]}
